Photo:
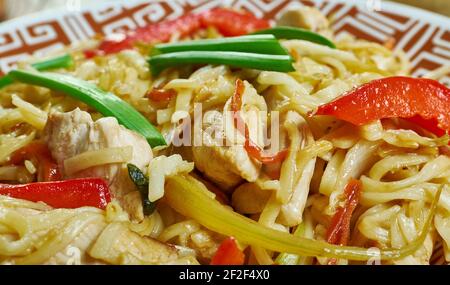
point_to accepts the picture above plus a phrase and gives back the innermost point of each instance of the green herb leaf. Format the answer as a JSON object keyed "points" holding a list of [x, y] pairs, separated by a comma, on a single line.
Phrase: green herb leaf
{"points": [[141, 182]]}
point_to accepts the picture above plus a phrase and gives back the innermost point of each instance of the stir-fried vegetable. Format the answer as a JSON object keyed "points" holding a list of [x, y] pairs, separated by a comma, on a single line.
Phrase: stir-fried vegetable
{"points": [[339, 230], [141, 181], [263, 44], [288, 33], [159, 32], [106, 103], [423, 101], [232, 23], [70, 194], [252, 149], [262, 52], [38, 152], [161, 95], [281, 63], [63, 61], [227, 22], [53, 63], [228, 253], [289, 258], [188, 198]]}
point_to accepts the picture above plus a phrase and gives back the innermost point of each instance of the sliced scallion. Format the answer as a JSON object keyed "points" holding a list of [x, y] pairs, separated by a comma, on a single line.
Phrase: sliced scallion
{"points": [[187, 196], [53, 63], [290, 33], [262, 44], [63, 61], [104, 102], [281, 63]]}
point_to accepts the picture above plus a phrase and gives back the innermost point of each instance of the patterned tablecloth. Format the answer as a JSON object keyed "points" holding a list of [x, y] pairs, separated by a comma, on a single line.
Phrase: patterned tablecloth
{"points": [[439, 6], [15, 8]]}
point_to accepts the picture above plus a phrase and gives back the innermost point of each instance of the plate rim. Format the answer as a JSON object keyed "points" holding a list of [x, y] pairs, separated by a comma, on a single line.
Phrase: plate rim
{"points": [[387, 6], [400, 8]]}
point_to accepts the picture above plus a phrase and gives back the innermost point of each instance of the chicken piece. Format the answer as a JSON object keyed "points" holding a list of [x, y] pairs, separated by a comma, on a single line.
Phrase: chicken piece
{"points": [[132, 201], [72, 133], [205, 244], [227, 164], [307, 18]]}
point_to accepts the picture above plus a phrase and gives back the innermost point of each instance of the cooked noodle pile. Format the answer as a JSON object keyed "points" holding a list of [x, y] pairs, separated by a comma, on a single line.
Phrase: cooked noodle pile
{"points": [[401, 166]]}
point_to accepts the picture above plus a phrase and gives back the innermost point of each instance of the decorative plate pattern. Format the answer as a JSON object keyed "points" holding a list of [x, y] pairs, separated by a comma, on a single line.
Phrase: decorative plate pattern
{"points": [[425, 37]]}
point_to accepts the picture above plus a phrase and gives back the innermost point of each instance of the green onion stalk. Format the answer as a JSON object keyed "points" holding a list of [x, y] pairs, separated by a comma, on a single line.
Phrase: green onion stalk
{"points": [[53, 63], [108, 104], [186, 195]]}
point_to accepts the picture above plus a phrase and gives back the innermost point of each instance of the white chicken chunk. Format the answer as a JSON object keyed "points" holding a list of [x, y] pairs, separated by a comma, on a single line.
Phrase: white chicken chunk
{"points": [[227, 164], [72, 133], [306, 17]]}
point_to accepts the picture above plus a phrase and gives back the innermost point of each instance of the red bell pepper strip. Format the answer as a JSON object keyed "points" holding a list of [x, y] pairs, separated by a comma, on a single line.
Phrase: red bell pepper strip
{"points": [[159, 32], [252, 149], [228, 254], [422, 101], [231, 23], [430, 125], [69, 194], [37, 151], [226, 21], [339, 229], [161, 95]]}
